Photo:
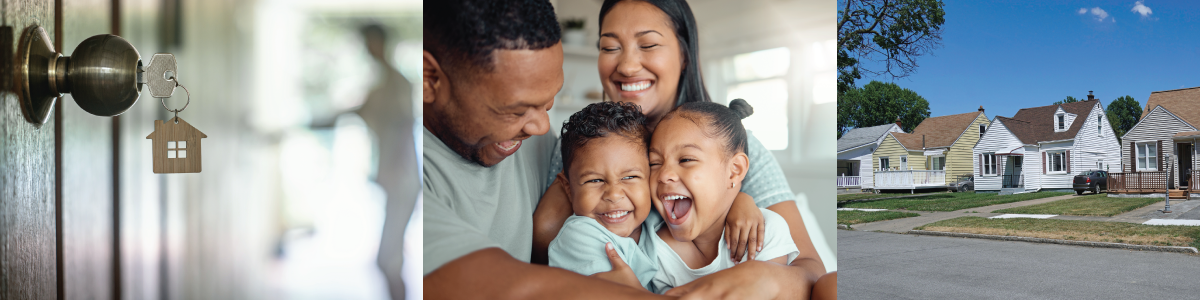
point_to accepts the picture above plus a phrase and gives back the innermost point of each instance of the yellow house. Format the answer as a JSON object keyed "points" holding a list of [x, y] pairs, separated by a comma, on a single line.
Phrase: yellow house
{"points": [[932, 156]]}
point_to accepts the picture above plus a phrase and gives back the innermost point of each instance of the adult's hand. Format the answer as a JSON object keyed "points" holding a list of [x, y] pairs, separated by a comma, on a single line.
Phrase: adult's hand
{"points": [[621, 272], [494, 274], [749, 280], [826, 287]]}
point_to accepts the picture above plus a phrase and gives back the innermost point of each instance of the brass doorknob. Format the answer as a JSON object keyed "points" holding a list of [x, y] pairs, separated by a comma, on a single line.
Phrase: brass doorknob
{"points": [[102, 75]]}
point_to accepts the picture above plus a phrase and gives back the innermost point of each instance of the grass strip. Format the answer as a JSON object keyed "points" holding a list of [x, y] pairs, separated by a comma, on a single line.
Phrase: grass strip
{"points": [[851, 217], [1095, 231], [1090, 205], [951, 201]]}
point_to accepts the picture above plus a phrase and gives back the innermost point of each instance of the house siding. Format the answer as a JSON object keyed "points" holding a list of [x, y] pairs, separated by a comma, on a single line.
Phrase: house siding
{"points": [[892, 149], [997, 138], [959, 158], [1056, 180], [1158, 125], [1092, 146], [863, 156]]}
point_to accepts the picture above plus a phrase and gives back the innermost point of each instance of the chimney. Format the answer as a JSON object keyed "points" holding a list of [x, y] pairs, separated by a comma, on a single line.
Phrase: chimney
{"points": [[1090, 97], [981, 108], [898, 122]]}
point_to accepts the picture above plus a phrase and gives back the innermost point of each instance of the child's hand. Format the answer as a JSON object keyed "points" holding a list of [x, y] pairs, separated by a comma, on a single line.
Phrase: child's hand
{"points": [[744, 228], [621, 273]]}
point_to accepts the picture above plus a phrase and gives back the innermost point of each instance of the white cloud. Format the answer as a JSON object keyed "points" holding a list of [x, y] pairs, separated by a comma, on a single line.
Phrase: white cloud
{"points": [[1082, 11], [1141, 9], [1099, 13]]}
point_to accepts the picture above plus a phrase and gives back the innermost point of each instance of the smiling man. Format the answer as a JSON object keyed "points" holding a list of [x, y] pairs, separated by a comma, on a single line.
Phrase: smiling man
{"points": [[490, 73]]}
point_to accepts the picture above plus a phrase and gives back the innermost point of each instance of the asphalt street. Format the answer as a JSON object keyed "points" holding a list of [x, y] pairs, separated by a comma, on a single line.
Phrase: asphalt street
{"points": [[874, 265]]}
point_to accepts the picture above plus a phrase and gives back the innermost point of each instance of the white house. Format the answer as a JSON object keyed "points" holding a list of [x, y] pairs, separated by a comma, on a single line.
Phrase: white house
{"points": [[1045, 147], [854, 154]]}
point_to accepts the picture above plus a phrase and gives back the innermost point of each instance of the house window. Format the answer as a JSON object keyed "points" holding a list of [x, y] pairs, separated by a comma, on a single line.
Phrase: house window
{"points": [[989, 164], [1147, 156], [903, 163], [1061, 121], [177, 149], [937, 163], [1098, 131], [884, 163], [982, 129], [1055, 161]]}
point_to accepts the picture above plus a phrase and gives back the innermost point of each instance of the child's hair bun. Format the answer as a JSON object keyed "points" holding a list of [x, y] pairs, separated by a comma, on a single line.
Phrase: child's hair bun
{"points": [[741, 108]]}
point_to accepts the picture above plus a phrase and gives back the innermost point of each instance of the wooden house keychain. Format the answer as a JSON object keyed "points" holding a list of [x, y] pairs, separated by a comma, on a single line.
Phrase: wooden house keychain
{"points": [[176, 143]]}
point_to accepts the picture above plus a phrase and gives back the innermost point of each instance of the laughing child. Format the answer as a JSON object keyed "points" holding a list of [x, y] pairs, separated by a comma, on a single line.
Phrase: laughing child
{"points": [[604, 151], [697, 162]]}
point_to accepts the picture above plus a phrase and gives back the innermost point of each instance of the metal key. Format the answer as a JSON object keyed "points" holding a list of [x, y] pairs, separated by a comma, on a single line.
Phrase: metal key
{"points": [[160, 75]]}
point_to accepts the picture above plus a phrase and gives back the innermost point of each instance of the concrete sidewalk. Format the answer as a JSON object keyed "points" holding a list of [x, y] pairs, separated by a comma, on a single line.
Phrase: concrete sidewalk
{"points": [[1180, 210], [906, 224]]}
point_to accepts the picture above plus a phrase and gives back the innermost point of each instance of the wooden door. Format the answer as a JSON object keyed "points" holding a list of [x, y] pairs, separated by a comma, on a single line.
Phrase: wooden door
{"points": [[56, 187]]}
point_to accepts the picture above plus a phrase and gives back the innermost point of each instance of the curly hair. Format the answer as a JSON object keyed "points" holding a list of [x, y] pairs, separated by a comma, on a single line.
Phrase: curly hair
{"points": [[600, 119], [461, 33], [718, 121]]}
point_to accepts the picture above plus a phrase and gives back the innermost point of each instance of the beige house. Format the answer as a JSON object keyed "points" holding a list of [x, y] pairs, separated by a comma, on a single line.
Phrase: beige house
{"points": [[932, 156]]}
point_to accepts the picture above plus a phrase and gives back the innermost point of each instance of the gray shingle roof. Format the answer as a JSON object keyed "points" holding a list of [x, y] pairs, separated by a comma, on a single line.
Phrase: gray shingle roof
{"points": [[861, 136]]}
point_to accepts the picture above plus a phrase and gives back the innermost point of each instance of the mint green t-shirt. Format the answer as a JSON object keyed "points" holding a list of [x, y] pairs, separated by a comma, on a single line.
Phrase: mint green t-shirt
{"points": [[579, 247], [469, 207]]}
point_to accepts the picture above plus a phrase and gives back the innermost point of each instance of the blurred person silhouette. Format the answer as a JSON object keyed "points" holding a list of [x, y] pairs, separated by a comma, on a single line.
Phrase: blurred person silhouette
{"points": [[388, 112]]}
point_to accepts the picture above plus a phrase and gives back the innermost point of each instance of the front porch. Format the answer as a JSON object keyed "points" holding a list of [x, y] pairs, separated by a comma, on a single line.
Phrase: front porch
{"points": [[910, 179]]}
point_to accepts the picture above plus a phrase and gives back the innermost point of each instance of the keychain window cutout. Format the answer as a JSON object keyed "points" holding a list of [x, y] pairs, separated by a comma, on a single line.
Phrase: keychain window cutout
{"points": [[177, 149]]}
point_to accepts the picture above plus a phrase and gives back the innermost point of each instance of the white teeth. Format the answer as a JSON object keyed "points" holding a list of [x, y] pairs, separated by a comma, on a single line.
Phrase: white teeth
{"points": [[674, 197], [633, 87], [614, 215], [514, 145]]}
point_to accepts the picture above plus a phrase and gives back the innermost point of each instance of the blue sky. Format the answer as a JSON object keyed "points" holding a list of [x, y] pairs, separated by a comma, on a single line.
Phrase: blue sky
{"points": [[1012, 55]]}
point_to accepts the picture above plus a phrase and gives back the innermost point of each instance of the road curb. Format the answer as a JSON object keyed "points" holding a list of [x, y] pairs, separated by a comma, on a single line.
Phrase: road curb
{"points": [[844, 227], [1175, 249]]}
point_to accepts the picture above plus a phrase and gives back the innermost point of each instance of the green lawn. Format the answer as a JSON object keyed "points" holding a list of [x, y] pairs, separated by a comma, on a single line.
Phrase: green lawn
{"points": [[867, 196], [1096, 231], [951, 201], [1090, 205], [851, 217]]}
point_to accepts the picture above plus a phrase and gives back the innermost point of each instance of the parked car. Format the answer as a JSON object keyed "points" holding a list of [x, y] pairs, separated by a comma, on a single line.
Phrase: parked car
{"points": [[964, 183], [1093, 180]]}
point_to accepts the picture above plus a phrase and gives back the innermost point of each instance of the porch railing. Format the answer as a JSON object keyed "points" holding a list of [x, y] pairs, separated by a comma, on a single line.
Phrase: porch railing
{"points": [[848, 181], [909, 179], [1138, 182], [1012, 181]]}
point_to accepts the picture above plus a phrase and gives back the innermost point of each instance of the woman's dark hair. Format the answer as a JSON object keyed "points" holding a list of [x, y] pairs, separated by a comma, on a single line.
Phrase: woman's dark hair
{"points": [[718, 121], [600, 119], [691, 82]]}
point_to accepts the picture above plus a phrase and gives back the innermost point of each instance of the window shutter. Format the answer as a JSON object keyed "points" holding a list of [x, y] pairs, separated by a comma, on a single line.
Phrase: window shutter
{"points": [[1068, 160], [1043, 162], [979, 164], [1160, 157], [1132, 157]]}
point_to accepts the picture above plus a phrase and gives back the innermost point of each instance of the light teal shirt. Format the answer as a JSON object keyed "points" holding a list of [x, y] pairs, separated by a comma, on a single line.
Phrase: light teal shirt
{"points": [[469, 207], [673, 271], [579, 247], [765, 181]]}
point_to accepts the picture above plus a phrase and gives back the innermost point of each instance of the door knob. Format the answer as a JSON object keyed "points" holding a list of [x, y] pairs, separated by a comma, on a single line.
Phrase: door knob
{"points": [[103, 75]]}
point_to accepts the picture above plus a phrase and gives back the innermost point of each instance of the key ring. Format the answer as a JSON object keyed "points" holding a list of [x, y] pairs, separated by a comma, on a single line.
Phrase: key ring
{"points": [[185, 105]]}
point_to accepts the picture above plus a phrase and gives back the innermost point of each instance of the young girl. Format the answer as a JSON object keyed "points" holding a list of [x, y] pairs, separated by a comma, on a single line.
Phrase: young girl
{"points": [[697, 162]]}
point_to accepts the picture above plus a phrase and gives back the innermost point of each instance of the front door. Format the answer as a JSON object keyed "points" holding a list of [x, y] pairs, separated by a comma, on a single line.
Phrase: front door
{"points": [[1184, 158]]}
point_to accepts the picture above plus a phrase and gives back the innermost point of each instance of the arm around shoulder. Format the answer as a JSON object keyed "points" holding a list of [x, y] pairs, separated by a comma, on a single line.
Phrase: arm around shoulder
{"points": [[493, 274]]}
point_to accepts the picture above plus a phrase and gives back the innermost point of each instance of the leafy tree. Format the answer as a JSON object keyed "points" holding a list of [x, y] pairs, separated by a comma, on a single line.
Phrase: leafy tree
{"points": [[1065, 101], [893, 33], [880, 103], [1123, 113]]}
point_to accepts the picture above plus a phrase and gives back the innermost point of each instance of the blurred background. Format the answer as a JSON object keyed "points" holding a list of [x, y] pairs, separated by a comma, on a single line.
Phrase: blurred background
{"points": [[779, 55], [309, 112]]}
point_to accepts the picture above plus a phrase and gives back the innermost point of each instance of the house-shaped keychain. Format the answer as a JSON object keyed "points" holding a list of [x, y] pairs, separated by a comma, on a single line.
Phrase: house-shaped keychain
{"points": [[176, 146]]}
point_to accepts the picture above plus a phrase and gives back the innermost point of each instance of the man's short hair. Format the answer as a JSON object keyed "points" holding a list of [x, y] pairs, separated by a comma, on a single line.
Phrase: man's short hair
{"points": [[599, 120], [463, 33]]}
